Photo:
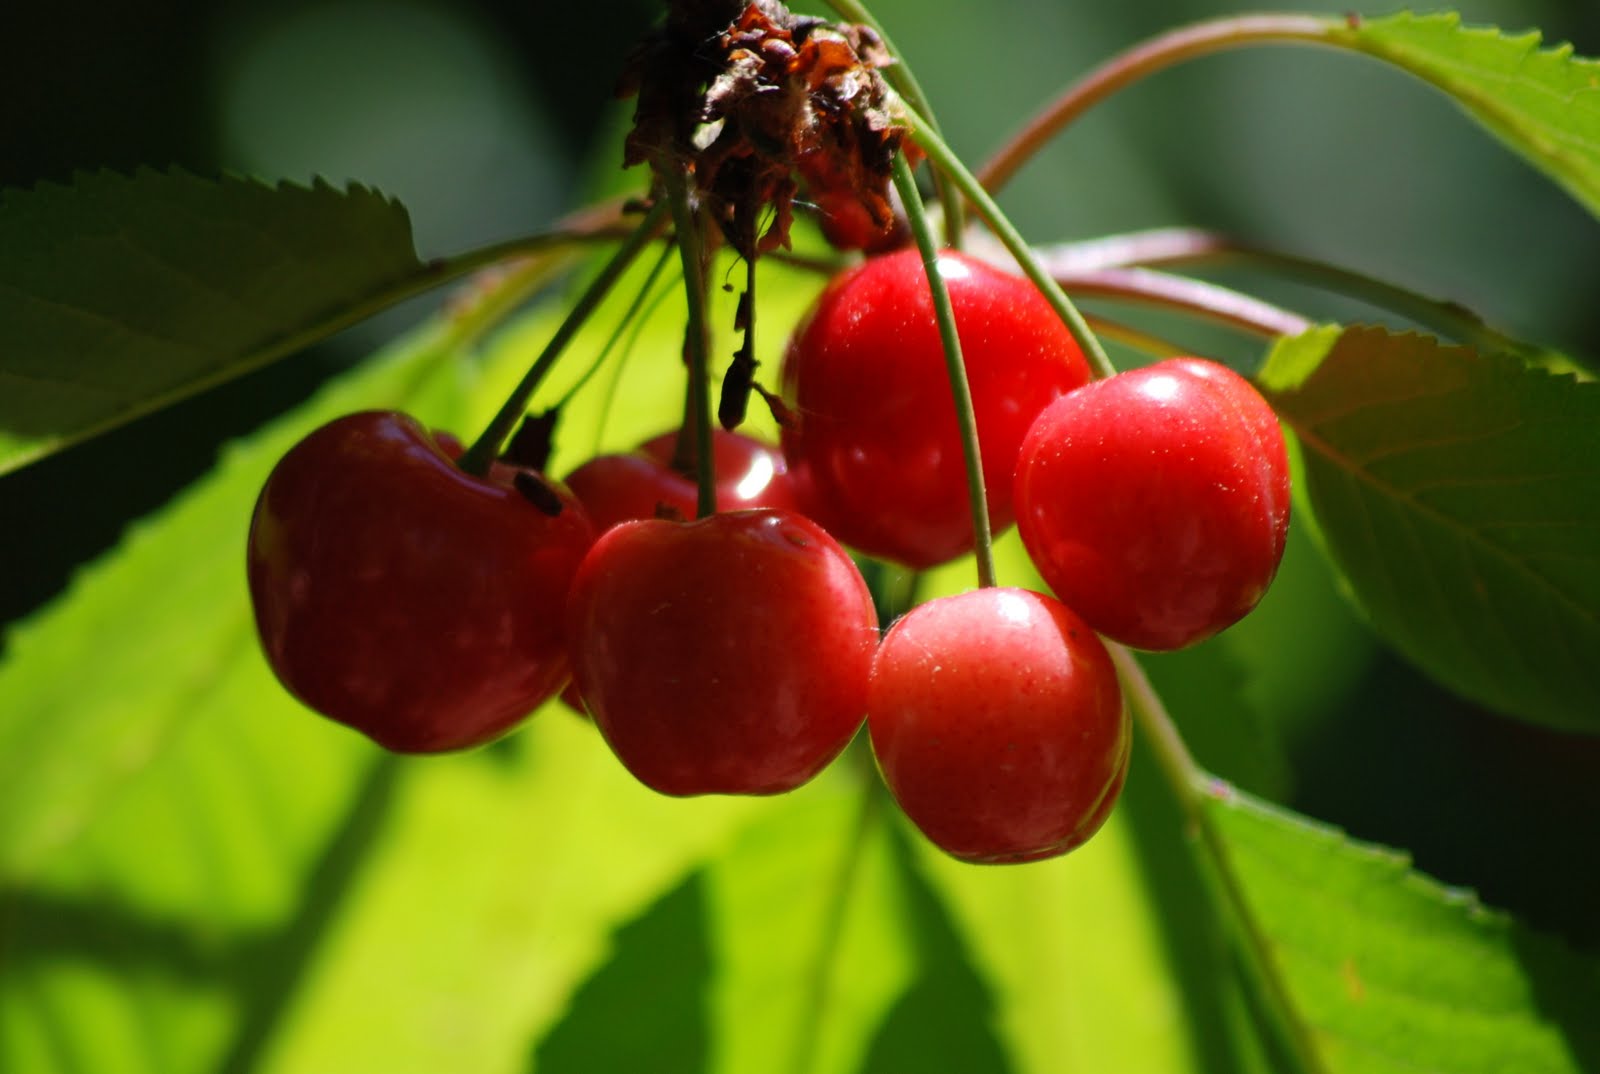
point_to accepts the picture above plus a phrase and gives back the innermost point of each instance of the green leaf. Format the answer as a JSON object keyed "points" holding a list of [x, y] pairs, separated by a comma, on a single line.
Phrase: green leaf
{"points": [[1459, 494], [1543, 103], [174, 829], [96, 687], [1389, 971], [197, 874], [122, 294]]}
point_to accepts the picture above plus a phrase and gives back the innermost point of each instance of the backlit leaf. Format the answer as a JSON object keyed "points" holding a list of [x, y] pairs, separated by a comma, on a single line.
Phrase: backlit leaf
{"points": [[1389, 971], [1459, 495], [1542, 102]]}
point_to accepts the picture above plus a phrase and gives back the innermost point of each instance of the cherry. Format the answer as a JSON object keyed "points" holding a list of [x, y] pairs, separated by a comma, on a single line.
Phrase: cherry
{"points": [[1156, 502], [998, 724], [405, 598], [726, 655], [643, 483], [873, 441]]}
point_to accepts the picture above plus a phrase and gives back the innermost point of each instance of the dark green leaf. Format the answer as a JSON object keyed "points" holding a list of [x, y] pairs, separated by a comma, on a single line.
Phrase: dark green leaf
{"points": [[1389, 971], [121, 294], [1543, 103], [1459, 494]]}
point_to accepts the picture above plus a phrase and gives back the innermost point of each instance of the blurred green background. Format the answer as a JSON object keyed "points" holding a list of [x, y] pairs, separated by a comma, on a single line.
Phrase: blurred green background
{"points": [[488, 120]]}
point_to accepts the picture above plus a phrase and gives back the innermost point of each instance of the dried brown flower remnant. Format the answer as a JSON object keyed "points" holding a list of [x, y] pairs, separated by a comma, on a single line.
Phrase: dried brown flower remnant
{"points": [[750, 95]]}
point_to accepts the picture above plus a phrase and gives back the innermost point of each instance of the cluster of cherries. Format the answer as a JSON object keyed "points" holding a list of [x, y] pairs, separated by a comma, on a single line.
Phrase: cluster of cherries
{"points": [[433, 609]]}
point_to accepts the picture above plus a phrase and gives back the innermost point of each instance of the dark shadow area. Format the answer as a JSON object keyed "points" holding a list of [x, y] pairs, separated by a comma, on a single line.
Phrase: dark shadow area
{"points": [[945, 1020], [646, 1008], [1480, 801], [1566, 988]]}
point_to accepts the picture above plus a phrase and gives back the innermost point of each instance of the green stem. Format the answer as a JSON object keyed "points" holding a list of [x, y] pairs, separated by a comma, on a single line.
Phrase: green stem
{"points": [[477, 458], [955, 367], [697, 343], [945, 160], [905, 83], [615, 383], [627, 324], [1193, 787], [1166, 50]]}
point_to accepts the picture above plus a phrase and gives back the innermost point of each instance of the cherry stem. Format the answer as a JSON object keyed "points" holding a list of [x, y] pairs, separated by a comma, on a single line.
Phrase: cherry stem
{"points": [[697, 343], [1194, 789], [1138, 338], [955, 367], [946, 160], [476, 459], [627, 324], [1163, 289], [1179, 246], [905, 83], [1126, 68]]}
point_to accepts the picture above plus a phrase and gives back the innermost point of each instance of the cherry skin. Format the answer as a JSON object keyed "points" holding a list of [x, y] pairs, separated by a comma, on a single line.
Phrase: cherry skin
{"points": [[726, 655], [873, 441], [405, 598], [643, 483], [1156, 502], [998, 724]]}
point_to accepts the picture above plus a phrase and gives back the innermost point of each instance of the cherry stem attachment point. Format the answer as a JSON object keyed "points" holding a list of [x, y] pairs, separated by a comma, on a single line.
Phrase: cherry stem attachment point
{"points": [[946, 161], [966, 420], [902, 79], [476, 459], [697, 342]]}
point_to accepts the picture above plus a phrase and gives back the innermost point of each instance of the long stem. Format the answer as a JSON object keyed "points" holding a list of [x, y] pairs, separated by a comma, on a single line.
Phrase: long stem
{"points": [[955, 367], [904, 82], [477, 458], [946, 160], [1198, 297], [1193, 786], [697, 341], [628, 324], [1183, 246], [1166, 50]]}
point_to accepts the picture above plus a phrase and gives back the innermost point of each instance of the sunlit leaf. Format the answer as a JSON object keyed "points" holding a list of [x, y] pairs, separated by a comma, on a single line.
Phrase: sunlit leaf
{"points": [[94, 689], [196, 874], [121, 294], [1459, 494], [1387, 970], [174, 830], [1542, 102]]}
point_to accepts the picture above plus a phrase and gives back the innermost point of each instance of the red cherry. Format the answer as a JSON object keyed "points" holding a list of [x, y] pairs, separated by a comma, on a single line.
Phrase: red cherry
{"points": [[726, 655], [618, 488], [1156, 502], [411, 601], [873, 442], [998, 724]]}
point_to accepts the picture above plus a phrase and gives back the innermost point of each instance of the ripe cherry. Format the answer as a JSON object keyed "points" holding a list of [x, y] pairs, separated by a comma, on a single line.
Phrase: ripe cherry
{"points": [[726, 655], [644, 483], [405, 598], [1156, 502], [998, 724], [873, 442]]}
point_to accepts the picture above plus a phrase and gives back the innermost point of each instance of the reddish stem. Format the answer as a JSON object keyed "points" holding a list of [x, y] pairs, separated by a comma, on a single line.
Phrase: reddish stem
{"points": [[1158, 53]]}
